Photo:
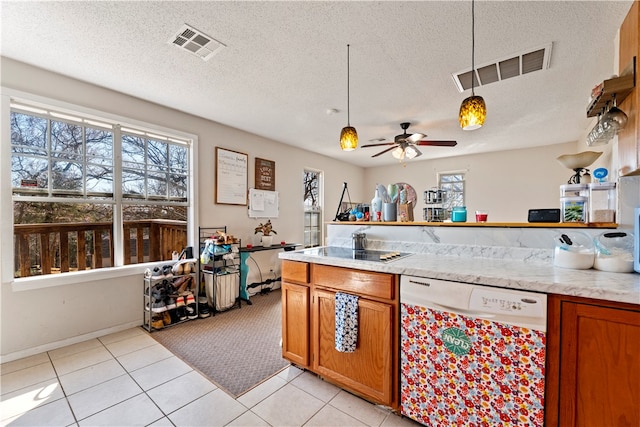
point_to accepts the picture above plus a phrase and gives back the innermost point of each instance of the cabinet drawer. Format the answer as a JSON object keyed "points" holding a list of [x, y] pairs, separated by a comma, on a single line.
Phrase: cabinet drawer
{"points": [[295, 271], [379, 285]]}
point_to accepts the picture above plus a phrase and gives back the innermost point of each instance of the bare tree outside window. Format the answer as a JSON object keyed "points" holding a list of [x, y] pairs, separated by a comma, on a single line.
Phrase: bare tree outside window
{"points": [[312, 208], [453, 184], [54, 159]]}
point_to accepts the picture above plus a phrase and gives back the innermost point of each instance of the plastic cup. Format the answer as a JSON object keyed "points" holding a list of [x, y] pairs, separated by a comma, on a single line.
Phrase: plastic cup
{"points": [[481, 216], [249, 246], [283, 243]]}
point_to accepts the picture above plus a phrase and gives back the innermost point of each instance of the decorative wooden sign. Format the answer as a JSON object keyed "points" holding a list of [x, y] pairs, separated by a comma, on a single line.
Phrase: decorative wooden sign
{"points": [[265, 174]]}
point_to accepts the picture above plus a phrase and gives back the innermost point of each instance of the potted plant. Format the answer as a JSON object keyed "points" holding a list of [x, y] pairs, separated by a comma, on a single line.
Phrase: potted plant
{"points": [[266, 229]]}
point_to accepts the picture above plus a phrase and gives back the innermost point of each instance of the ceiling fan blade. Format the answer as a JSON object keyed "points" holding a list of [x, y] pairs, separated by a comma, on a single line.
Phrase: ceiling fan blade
{"points": [[415, 137], [377, 145], [438, 143], [384, 151]]}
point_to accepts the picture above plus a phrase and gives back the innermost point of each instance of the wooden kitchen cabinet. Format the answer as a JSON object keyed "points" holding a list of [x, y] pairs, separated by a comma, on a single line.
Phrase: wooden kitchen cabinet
{"points": [[295, 312], [368, 370], [629, 137], [593, 363], [308, 328]]}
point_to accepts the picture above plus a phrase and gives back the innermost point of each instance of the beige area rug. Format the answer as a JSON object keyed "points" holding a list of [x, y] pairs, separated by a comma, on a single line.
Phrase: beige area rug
{"points": [[237, 349]]}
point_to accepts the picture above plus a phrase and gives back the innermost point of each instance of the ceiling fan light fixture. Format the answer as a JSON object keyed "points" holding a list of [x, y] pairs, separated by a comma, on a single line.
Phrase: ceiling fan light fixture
{"points": [[473, 110], [348, 138], [412, 152], [348, 135], [398, 153]]}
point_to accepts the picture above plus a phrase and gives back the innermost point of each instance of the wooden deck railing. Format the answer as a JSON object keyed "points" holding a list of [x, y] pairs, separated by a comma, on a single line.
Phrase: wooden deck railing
{"points": [[58, 248]]}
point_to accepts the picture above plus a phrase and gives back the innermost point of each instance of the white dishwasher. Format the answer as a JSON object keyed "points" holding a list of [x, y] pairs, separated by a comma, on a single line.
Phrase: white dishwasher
{"points": [[471, 354]]}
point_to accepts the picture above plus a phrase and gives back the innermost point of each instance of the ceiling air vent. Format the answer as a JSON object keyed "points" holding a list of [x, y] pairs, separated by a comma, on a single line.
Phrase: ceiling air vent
{"points": [[196, 42], [512, 66]]}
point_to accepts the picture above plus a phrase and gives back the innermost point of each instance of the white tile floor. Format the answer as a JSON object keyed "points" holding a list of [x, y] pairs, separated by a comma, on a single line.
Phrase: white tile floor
{"points": [[127, 379]]}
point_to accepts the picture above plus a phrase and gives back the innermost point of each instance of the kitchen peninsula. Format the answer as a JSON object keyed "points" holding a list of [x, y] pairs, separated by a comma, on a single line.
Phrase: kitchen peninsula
{"points": [[582, 364]]}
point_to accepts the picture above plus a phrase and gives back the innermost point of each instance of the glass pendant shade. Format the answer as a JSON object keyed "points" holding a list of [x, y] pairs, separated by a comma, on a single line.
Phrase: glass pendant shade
{"points": [[411, 152], [398, 153], [348, 138], [473, 111]]}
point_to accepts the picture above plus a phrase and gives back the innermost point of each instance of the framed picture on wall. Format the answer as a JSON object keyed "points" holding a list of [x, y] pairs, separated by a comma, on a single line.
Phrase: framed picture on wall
{"points": [[231, 177], [265, 174]]}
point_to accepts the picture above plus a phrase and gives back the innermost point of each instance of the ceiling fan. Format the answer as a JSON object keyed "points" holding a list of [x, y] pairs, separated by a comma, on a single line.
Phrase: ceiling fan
{"points": [[404, 145]]}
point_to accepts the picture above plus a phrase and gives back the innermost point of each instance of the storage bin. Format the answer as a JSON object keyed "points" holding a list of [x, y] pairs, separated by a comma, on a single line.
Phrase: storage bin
{"points": [[573, 250], [614, 252], [602, 202], [226, 292]]}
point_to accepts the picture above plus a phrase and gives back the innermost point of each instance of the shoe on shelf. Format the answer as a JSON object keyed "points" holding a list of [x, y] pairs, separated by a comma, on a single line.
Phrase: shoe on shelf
{"points": [[181, 313], [192, 313], [157, 274], [192, 309], [170, 303], [166, 318], [204, 311], [158, 292], [180, 302], [182, 284], [190, 299], [166, 270], [178, 269], [187, 268], [158, 307], [157, 323], [175, 318]]}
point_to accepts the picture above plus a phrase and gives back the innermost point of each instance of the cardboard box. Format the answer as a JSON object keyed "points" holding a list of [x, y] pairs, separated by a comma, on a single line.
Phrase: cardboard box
{"points": [[405, 212]]}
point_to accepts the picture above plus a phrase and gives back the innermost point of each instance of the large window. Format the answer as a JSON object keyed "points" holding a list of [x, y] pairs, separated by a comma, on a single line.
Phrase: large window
{"points": [[91, 193]]}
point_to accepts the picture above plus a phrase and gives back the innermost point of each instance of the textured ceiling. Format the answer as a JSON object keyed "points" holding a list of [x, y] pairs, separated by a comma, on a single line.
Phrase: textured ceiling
{"points": [[285, 64]]}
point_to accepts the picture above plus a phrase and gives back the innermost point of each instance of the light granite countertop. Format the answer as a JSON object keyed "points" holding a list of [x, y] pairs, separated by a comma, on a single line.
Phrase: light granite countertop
{"points": [[504, 273]]}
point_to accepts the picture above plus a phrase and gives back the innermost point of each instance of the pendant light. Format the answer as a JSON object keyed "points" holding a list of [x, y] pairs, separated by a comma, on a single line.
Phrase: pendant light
{"points": [[473, 110], [348, 135]]}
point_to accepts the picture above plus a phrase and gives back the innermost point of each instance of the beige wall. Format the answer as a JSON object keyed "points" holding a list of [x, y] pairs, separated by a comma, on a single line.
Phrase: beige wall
{"points": [[506, 183], [41, 319]]}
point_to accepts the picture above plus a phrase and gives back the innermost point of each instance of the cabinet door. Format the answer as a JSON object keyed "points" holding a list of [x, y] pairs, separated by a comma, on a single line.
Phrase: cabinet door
{"points": [[368, 370], [629, 137], [600, 366], [295, 323]]}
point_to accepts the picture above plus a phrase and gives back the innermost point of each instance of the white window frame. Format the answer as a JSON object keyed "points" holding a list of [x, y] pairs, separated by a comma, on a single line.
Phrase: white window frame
{"points": [[7, 96], [320, 206], [447, 203]]}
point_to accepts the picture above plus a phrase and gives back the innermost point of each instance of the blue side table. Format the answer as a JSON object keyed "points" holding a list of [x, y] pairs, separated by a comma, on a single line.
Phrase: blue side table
{"points": [[245, 253]]}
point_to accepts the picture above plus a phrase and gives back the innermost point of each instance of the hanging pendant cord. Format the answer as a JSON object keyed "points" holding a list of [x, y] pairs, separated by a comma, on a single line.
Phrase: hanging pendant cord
{"points": [[473, 48], [348, 118]]}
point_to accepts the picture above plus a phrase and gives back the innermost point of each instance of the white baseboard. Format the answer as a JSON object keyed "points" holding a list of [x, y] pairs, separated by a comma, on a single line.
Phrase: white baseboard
{"points": [[63, 343]]}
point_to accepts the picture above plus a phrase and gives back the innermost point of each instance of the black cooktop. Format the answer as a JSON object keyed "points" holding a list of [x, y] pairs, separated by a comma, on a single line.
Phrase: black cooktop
{"points": [[363, 255]]}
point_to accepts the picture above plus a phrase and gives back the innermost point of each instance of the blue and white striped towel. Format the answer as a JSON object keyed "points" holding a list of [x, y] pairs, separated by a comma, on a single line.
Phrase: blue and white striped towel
{"points": [[346, 322]]}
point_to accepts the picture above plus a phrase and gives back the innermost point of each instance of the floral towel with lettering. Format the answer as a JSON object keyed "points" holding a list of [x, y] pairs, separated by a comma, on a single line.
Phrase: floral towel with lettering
{"points": [[346, 322], [464, 371]]}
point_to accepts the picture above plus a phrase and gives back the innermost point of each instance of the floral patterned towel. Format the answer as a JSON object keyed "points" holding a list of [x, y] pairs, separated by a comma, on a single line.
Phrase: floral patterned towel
{"points": [[346, 322]]}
